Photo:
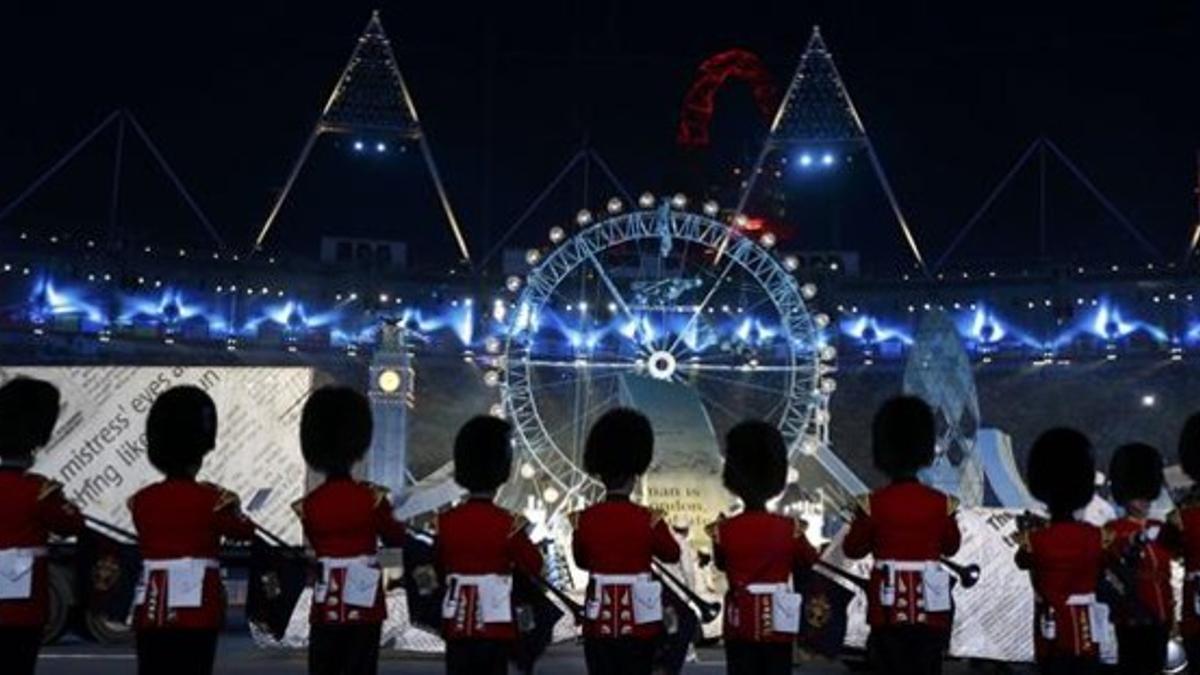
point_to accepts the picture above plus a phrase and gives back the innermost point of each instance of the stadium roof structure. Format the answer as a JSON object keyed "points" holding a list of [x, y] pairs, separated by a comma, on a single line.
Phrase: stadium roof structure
{"points": [[370, 96]]}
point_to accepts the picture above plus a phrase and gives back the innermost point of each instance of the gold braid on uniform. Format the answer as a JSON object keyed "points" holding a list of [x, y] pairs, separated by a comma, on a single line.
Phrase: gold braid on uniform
{"points": [[573, 519], [298, 508], [225, 498], [1107, 536], [799, 528], [519, 523], [713, 529], [951, 505], [657, 516], [864, 504], [379, 492], [48, 488]]}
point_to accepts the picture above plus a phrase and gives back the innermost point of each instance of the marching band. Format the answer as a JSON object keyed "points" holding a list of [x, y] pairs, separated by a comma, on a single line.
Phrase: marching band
{"points": [[476, 576]]}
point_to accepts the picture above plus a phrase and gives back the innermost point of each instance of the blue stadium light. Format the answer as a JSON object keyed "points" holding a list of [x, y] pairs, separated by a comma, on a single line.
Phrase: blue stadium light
{"points": [[806, 159], [381, 147], [358, 146], [827, 159], [867, 330]]}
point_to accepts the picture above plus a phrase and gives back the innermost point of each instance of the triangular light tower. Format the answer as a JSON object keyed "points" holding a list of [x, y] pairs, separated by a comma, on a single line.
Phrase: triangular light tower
{"points": [[816, 112], [370, 97]]}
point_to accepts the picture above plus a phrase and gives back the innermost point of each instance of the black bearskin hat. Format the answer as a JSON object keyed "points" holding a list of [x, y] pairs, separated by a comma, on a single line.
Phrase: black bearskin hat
{"points": [[180, 430], [619, 446], [483, 454], [335, 429], [1135, 472], [903, 436], [1189, 447], [755, 462], [28, 412], [1061, 470]]}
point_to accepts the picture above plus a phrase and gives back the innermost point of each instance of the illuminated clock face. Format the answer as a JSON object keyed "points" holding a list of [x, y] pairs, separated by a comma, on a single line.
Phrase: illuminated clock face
{"points": [[389, 381]]}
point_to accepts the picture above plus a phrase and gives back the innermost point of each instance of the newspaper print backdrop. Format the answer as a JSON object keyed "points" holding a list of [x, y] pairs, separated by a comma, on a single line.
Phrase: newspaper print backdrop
{"points": [[994, 619], [98, 449]]}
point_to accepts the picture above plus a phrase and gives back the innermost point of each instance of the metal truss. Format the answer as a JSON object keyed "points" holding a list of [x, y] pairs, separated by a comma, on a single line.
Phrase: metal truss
{"points": [[370, 97], [817, 110]]}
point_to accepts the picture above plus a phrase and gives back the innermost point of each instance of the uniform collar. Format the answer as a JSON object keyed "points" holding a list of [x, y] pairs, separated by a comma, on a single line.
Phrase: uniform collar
{"points": [[616, 496]]}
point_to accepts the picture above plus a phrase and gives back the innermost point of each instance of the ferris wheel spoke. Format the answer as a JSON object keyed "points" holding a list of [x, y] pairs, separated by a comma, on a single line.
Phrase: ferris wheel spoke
{"points": [[582, 364], [703, 303], [738, 368], [709, 376], [717, 405], [587, 414], [612, 288], [593, 379]]}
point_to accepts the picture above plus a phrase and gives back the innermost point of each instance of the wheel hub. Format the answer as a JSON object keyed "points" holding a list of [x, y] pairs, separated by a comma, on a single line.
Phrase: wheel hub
{"points": [[661, 365]]}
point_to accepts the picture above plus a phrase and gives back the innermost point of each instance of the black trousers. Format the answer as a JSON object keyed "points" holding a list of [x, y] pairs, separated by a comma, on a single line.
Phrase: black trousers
{"points": [[176, 652], [344, 650], [906, 650], [758, 658], [477, 657], [1142, 650], [19, 649], [1068, 665], [606, 656]]}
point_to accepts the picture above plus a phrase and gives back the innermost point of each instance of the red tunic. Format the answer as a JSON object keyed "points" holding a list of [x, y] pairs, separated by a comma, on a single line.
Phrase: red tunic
{"points": [[479, 538], [618, 537], [752, 548], [344, 518], [1153, 575], [909, 523], [32, 508], [1184, 528], [181, 518], [1064, 559]]}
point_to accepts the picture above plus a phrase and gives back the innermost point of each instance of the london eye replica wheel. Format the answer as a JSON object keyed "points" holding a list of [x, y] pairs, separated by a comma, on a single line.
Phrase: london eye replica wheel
{"points": [[663, 303]]}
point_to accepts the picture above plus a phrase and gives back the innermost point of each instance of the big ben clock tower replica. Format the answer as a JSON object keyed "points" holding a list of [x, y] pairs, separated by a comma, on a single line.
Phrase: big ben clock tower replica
{"points": [[391, 394]]}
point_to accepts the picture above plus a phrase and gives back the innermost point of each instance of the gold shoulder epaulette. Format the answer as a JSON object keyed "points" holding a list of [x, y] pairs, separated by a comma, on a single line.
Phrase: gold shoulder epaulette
{"points": [[864, 503], [225, 499], [47, 488], [657, 516], [379, 492], [519, 523], [799, 528], [951, 505], [1107, 536], [713, 529], [1024, 542], [573, 519], [298, 508]]}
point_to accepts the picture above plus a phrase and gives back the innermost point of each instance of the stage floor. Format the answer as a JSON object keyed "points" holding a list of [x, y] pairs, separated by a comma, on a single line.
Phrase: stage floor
{"points": [[237, 654]]}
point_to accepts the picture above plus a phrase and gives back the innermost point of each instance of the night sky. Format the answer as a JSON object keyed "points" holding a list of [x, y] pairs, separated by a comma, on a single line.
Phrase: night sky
{"points": [[950, 94]]}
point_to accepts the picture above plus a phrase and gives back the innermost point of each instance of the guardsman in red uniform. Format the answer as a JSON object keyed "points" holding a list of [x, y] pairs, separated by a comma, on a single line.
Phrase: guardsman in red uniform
{"points": [[758, 551], [180, 522], [907, 527], [1065, 557], [615, 541], [1184, 528], [32, 508], [479, 545], [1138, 546], [344, 520]]}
